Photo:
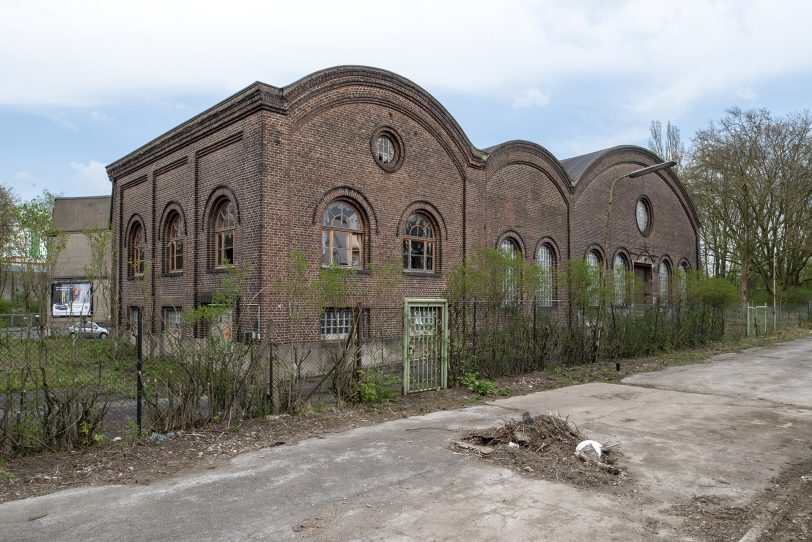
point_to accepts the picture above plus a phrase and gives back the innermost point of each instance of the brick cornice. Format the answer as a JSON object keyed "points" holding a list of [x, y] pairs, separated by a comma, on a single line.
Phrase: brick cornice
{"points": [[256, 97]]}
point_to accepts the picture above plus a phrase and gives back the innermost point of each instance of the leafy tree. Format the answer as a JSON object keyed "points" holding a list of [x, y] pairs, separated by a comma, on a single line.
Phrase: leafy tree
{"points": [[36, 242], [7, 228]]}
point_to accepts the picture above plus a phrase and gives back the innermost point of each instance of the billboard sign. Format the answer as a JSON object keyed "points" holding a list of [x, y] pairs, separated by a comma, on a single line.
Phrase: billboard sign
{"points": [[71, 299]]}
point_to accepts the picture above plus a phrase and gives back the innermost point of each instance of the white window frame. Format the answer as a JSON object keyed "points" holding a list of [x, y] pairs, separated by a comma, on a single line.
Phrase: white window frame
{"points": [[335, 323]]}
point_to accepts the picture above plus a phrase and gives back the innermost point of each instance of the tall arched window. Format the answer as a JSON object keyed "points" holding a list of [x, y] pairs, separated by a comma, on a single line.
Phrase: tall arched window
{"points": [[512, 253], [683, 282], [137, 248], [546, 262], [418, 244], [620, 267], [593, 264], [342, 236], [174, 243], [664, 282], [225, 227]]}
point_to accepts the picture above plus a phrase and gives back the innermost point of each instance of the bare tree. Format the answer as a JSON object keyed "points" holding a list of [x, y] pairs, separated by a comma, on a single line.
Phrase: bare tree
{"points": [[751, 178], [667, 146]]}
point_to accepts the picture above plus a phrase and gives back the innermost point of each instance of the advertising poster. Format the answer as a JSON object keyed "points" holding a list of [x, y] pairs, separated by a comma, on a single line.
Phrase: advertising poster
{"points": [[71, 299]]}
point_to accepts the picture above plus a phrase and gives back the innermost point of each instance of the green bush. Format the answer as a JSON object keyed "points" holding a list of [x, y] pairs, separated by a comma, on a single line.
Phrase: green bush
{"points": [[481, 386], [374, 386], [712, 292], [797, 296]]}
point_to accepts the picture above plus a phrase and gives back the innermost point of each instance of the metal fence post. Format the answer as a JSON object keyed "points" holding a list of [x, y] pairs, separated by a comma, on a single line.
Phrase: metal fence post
{"points": [[535, 340], [473, 332], [271, 395], [139, 365]]}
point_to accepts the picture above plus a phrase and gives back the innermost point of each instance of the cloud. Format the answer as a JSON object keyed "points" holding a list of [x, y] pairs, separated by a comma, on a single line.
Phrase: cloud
{"points": [[91, 177], [746, 93], [24, 177], [530, 98], [522, 44], [99, 116], [60, 118]]}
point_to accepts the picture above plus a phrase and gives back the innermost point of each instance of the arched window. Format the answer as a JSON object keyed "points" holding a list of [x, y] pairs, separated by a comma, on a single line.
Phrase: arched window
{"points": [[137, 248], [620, 268], [225, 227], [342, 236], [174, 244], [546, 262], [418, 244], [593, 265], [664, 282], [683, 282], [512, 253]]}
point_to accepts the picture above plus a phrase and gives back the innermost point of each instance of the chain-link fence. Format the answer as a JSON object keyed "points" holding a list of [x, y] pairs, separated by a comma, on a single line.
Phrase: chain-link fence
{"points": [[61, 389], [760, 320]]}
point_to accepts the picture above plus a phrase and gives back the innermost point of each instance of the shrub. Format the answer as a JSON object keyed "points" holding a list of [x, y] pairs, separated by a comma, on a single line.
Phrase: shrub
{"points": [[712, 292], [797, 296], [481, 386], [374, 386]]}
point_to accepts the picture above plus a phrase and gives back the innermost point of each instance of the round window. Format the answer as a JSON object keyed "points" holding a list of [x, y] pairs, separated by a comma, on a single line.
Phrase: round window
{"points": [[385, 150], [643, 216]]}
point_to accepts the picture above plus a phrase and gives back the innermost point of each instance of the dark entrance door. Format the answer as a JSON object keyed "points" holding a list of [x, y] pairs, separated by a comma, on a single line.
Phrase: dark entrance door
{"points": [[641, 291]]}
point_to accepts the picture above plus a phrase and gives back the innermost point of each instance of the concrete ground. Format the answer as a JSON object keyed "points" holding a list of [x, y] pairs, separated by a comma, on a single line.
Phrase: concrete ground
{"points": [[722, 429]]}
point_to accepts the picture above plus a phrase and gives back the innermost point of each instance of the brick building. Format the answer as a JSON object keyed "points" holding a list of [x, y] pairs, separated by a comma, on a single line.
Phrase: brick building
{"points": [[358, 166]]}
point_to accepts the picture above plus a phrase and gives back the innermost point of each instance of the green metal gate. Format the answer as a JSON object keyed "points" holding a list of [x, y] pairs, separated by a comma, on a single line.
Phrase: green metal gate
{"points": [[425, 344]]}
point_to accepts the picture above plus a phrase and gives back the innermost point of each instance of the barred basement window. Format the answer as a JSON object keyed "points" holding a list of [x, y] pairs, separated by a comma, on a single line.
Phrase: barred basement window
{"points": [[335, 323], [133, 317], [172, 320]]}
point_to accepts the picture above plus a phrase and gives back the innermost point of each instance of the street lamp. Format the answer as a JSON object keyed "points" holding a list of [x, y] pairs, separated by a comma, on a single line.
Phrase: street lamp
{"points": [[631, 175]]}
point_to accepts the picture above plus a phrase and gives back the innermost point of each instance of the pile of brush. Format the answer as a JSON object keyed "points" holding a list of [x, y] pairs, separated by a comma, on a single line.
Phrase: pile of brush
{"points": [[542, 443]]}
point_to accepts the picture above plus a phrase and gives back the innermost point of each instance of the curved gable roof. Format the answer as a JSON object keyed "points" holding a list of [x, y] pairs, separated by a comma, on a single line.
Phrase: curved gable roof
{"points": [[585, 168], [348, 75], [536, 151]]}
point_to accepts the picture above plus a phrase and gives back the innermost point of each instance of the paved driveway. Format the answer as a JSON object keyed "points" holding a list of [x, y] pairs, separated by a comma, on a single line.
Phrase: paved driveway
{"points": [[730, 426]]}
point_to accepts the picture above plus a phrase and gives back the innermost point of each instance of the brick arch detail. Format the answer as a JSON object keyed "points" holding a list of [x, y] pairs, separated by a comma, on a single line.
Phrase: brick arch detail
{"points": [[135, 218], [597, 248], [428, 209], [172, 206], [351, 194], [515, 237], [550, 242], [217, 195]]}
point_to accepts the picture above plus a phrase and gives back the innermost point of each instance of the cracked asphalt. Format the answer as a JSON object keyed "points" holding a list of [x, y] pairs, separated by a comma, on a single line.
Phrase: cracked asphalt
{"points": [[722, 429]]}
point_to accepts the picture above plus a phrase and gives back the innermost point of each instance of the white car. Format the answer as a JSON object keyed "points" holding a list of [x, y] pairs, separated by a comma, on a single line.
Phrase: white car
{"points": [[88, 329]]}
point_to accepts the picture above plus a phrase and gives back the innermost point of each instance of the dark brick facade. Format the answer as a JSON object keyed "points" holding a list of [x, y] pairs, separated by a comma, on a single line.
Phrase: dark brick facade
{"points": [[283, 154]]}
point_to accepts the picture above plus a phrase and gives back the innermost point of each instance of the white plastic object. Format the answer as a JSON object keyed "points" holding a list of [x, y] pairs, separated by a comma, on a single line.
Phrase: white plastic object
{"points": [[584, 443]]}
